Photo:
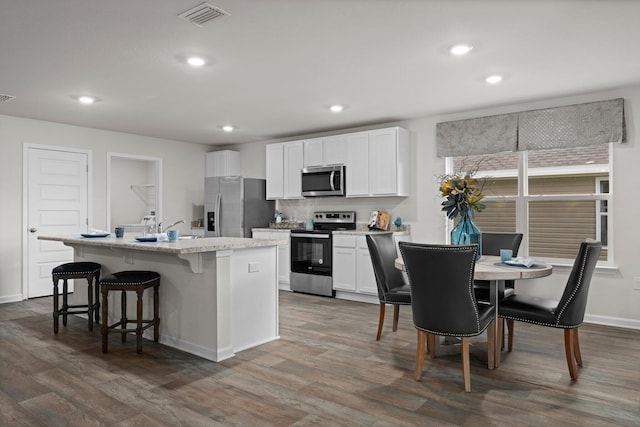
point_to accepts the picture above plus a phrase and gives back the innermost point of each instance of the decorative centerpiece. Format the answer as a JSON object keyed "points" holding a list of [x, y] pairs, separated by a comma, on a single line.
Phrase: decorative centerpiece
{"points": [[462, 199]]}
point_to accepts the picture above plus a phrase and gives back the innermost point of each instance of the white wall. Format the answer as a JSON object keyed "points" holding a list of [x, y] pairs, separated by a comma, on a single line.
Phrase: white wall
{"points": [[612, 299], [183, 181]]}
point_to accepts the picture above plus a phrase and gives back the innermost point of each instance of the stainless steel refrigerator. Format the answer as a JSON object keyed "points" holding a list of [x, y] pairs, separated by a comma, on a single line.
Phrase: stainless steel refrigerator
{"points": [[234, 205]]}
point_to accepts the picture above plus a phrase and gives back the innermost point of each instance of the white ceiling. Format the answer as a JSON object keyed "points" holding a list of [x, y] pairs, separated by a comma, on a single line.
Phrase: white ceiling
{"points": [[276, 65]]}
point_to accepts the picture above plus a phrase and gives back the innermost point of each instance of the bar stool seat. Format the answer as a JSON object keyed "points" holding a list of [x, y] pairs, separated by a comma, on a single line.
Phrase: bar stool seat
{"points": [[124, 281], [76, 270]]}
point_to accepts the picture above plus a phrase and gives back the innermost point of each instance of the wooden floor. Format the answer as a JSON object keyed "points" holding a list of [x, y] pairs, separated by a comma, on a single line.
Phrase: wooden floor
{"points": [[327, 369]]}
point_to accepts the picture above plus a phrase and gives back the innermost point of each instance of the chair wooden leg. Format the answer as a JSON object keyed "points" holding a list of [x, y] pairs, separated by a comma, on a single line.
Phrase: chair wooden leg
{"points": [[576, 347], [105, 315], [380, 321], [139, 321], [466, 368], [56, 304], [420, 350], [569, 349], [432, 345], [396, 315], [510, 326], [123, 315], [90, 301], [156, 316], [493, 353], [500, 344]]}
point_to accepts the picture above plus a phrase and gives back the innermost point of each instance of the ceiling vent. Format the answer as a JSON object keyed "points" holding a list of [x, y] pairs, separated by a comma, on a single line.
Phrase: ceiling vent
{"points": [[6, 98], [202, 14]]}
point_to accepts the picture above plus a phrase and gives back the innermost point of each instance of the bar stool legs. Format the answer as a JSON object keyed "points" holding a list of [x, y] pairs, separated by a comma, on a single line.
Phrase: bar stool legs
{"points": [[76, 270], [124, 281]]}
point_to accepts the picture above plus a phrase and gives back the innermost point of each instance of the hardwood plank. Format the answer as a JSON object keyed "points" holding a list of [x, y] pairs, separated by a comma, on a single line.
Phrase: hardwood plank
{"points": [[327, 369]]}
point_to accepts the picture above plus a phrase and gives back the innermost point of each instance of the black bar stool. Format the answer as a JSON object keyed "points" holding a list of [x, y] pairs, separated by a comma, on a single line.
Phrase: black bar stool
{"points": [[76, 270], [124, 281]]}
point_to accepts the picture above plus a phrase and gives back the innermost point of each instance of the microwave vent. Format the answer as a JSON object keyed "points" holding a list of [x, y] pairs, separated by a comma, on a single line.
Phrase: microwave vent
{"points": [[6, 98], [202, 14]]}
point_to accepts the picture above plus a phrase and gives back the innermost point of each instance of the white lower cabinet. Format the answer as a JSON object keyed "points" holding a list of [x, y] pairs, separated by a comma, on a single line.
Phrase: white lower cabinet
{"points": [[353, 274], [366, 278], [352, 268], [344, 263], [284, 254]]}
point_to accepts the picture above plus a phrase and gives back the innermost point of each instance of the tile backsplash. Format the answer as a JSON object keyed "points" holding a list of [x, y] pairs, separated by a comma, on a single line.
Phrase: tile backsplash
{"points": [[300, 210]]}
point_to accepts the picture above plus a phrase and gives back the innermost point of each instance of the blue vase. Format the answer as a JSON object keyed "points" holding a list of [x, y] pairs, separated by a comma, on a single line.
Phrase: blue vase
{"points": [[466, 233]]}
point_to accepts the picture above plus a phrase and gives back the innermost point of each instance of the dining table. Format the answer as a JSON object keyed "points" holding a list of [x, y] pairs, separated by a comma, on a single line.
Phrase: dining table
{"points": [[490, 268]]}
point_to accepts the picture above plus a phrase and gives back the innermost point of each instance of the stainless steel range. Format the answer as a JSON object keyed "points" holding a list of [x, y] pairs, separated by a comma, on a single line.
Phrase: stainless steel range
{"points": [[311, 252]]}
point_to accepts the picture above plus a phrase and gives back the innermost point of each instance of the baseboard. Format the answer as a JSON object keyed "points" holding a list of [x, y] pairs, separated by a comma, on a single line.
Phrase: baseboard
{"points": [[11, 298], [352, 296], [617, 322]]}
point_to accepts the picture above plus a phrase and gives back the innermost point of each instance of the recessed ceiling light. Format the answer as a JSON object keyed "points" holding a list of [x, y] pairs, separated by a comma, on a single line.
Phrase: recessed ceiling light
{"points": [[494, 79], [228, 128], [195, 61], [86, 99], [460, 49], [336, 108]]}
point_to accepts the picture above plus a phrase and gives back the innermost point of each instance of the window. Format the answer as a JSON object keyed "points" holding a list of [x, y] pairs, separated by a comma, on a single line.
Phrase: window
{"points": [[555, 197]]}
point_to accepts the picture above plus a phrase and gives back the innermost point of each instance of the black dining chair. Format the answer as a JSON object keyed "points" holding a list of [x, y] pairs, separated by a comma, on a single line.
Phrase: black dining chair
{"points": [[443, 302], [392, 287], [491, 245], [567, 313]]}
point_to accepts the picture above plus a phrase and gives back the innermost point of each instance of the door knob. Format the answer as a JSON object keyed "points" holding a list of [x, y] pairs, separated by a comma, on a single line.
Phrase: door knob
{"points": [[33, 229]]}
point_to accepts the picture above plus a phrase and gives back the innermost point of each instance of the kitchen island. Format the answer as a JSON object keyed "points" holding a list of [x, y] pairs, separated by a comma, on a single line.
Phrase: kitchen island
{"points": [[218, 295]]}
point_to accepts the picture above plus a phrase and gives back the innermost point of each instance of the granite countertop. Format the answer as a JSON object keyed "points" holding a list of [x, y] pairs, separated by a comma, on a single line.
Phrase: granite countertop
{"points": [[187, 246], [361, 230]]}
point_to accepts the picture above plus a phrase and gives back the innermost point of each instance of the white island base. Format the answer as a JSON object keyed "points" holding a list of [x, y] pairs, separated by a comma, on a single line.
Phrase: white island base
{"points": [[214, 301]]}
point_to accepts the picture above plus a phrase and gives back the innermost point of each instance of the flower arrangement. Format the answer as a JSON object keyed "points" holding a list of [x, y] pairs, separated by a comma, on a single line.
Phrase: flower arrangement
{"points": [[462, 194]]}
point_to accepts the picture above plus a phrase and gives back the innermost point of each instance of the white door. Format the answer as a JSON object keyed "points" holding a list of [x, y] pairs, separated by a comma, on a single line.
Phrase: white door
{"points": [[57, 204]]}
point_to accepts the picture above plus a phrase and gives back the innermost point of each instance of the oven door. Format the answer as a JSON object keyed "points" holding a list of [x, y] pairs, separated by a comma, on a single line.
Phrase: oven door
{"points": [[311, 253]]}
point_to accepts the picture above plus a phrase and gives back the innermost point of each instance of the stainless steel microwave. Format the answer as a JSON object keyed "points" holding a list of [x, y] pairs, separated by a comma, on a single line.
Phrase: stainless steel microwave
{"points": [[323, 181]]}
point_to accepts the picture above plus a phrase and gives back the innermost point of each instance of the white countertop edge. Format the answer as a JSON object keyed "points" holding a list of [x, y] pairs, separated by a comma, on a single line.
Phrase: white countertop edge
{"points": [[204, 244]]}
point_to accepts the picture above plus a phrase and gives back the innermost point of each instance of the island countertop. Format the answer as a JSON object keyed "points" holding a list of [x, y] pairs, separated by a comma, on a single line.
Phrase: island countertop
{"points": [[182, 246], [218, 295]]}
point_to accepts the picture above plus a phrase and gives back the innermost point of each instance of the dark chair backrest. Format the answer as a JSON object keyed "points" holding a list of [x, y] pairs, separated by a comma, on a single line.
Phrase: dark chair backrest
{"points": [[493, 242], [383, 255], [441, 278], [572, 305]]}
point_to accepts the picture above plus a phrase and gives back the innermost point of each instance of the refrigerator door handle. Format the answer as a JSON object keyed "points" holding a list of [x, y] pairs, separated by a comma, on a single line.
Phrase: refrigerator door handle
{"points": [[218, 197]]}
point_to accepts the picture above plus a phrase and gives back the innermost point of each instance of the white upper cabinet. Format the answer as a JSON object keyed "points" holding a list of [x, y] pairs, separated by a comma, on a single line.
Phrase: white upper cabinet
{"points": [[389, 162], [333, 150], [326, 151], [293, 161], [313, 152], [357, 164], [222, 163], [275, 171], [377, 163], [284, 162]]}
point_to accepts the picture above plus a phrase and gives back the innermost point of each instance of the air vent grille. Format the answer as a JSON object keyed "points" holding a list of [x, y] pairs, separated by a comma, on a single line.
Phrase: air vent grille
{"points": [[6, 98], [202, 14]]}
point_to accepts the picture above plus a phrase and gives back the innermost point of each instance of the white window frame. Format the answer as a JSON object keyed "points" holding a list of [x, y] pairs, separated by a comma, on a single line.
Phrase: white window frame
{"points": [[523, 198]]}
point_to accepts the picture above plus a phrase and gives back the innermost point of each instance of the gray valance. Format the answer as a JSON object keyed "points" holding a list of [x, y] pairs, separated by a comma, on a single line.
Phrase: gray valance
{"points": [[568, 126], [483, 135], [571, 126]]}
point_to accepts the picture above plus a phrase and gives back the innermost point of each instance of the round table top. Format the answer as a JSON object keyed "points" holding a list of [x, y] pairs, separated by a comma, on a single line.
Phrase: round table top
{"points": [[486, 269]]}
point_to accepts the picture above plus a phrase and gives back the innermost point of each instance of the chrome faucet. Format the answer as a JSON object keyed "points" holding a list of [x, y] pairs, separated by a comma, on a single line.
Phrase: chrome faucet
{"points": [[172, 225]]}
